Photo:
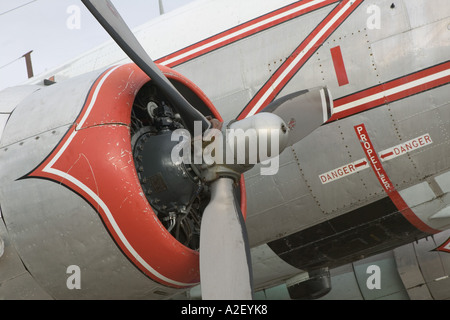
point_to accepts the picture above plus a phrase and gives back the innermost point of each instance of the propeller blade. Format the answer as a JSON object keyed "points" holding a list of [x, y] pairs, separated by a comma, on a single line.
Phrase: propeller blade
{"points": [[107, 15], [303, 111], [225, 264]]}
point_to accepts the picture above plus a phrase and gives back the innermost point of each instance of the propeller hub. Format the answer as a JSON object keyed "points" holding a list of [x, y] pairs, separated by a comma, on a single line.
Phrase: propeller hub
{"points": [[239, 145]]}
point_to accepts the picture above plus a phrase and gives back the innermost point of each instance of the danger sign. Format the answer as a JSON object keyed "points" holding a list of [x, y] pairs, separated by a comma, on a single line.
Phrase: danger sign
{"points": [[384, 155], [405, 147], [343, 171]]}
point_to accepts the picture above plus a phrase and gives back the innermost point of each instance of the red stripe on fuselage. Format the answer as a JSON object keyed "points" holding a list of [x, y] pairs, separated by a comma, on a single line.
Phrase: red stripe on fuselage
{"points": [[339, 67], [299, 57], [391, 91], [242, 31]]}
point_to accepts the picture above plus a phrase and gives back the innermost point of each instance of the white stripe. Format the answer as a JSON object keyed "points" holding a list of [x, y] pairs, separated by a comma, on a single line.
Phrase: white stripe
{"points": [[48, 168], [240, 32], [392, 91], [94, 97], [298, 58], [324, 105]]}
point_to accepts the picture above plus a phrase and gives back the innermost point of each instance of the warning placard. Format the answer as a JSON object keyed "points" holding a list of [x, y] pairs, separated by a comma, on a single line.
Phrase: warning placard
{"points": [[406, 147], [343, 171], [384, 155]]}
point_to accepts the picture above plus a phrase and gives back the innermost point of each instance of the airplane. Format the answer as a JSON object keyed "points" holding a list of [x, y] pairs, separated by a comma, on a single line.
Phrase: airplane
{"points": [[93, 207]]}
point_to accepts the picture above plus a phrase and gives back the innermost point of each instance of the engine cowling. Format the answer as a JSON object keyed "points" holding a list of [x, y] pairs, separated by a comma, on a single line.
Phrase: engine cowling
{"points": [[85, 161]]}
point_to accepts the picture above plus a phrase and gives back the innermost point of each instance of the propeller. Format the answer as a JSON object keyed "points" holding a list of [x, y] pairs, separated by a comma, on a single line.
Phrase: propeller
{"points": [[107, 15], [303, 111], [225, 263]]}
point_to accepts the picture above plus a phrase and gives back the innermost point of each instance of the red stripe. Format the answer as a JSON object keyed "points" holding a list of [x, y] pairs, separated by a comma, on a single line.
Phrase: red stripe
{"points": [[269, 84], [248, 24], [386, 183], [356, 96], [417, 89], [445, 247], [339, 67], [416, 76], [390, 85]]}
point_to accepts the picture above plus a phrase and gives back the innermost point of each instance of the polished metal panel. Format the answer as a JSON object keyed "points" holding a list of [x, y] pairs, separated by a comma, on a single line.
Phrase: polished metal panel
{"points": [[3, 119], [15, 280], [52, 227], [269, 268], [55, 106], [10, 97], [289, 207], [410, 272], [393, 20], [413, 50], [422, 12]]}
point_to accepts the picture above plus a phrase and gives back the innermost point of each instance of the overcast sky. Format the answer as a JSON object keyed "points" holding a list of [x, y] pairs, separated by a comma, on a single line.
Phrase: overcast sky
{"points": [[57, 31]]}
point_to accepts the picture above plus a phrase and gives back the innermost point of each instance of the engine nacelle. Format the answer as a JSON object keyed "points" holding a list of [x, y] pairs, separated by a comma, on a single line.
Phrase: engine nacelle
{"points": [[82, 163]]}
